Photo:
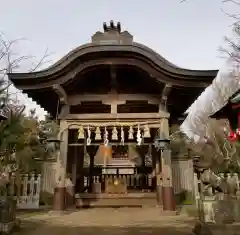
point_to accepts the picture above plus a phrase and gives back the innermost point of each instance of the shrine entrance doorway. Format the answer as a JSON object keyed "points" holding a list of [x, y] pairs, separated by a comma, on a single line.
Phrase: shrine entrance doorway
{"points": [[91, 166]]}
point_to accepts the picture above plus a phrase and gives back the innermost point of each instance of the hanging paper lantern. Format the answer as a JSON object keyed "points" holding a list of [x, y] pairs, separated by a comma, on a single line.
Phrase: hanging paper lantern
{"points": [[114, 133], [146, 133], [234, 120], [81, 133], [130, 133], [233, 110], [98, 134]]}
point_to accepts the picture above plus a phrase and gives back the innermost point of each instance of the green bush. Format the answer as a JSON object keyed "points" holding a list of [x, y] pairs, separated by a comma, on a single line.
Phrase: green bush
{"points": [[184, 198], [46, 198]]}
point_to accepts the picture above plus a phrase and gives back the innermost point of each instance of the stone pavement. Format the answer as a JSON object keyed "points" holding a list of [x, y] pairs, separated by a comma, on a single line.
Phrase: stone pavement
{"points": [[108, 221]]}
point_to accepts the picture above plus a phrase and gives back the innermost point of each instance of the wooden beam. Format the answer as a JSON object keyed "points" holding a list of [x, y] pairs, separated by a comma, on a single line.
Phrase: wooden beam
{"points": [[112, 144], [107, 98], [118, 116]]}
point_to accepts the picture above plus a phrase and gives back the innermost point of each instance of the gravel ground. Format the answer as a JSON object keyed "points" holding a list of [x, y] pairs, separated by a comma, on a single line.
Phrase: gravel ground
{"points": [[107, 221]]}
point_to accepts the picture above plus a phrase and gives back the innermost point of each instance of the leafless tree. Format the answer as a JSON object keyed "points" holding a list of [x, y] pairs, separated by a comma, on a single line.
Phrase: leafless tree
{"points": [[216, 153], [233, 44], [232, 51], [11, 61]]}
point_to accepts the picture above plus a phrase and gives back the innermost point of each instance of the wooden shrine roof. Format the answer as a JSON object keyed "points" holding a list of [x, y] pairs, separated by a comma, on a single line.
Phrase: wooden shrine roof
{"points": [[113, 47]]}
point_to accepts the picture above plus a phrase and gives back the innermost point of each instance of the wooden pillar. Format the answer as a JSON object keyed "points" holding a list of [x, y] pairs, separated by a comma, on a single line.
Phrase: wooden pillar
{"points": [[70, 188], [80, 170], [166, 163], [142, 172], [60, 189], [91, 166], [142, 150], [74, 166], [158, 177], [91, 151]]}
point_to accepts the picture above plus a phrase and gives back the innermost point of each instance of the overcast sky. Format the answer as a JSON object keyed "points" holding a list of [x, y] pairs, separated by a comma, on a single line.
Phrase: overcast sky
{"points": [[187, 34]]}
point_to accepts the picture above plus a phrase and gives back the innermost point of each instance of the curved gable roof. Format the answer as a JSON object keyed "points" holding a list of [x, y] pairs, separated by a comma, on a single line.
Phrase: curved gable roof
{"points": [[110, 41], [138, 48], [116, 47]]}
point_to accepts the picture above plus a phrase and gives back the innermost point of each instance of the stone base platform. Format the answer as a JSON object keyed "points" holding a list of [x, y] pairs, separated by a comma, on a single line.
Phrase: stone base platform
{"points": [[115, 200]]}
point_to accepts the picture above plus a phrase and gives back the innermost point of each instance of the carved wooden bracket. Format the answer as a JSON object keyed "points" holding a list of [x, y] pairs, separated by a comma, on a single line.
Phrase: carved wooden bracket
{"points": [[166, 91], [61, 93]]}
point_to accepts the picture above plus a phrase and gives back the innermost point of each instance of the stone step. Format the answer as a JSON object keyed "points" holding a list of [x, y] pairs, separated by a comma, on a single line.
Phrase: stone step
{"points": [[116, 200]]}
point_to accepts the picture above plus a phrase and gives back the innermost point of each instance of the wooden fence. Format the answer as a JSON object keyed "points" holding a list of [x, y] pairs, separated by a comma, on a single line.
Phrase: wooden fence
{"points": [[26, 190], [183, 177], [215, 204], [48, 177]]}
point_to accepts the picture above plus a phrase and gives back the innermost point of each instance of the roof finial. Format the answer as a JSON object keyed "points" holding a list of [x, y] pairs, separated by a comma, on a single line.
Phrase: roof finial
{"points": [[112, 27]]}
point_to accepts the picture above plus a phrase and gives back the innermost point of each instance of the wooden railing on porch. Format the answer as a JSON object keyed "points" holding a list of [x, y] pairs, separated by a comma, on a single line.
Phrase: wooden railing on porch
{"points": [[135, 177]]}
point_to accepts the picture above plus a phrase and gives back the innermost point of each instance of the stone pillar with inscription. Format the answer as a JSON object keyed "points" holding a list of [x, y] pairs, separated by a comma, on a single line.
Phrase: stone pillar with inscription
{"points": [[59, 196]]}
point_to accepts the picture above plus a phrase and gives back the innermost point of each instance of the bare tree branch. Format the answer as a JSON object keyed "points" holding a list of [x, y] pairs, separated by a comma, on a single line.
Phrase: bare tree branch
{"points": [[41, 61], [11, 61], [231, 1]]}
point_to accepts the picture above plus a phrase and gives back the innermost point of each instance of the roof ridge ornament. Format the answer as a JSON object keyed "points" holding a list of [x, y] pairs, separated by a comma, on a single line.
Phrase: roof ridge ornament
{"points": [[112, 27], [112, 34]]}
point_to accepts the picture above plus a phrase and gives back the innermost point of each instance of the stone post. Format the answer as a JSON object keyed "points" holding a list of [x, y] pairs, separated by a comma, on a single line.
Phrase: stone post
{"points": [[70, 193], [59, 197], [166, 164], [167, 184]]}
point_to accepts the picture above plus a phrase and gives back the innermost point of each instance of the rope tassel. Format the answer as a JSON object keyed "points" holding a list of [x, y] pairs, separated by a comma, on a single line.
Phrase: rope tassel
{"points": [[114, 133], [139, 136], [122, 136], [88, 136], [130, 133], [106, 141]]}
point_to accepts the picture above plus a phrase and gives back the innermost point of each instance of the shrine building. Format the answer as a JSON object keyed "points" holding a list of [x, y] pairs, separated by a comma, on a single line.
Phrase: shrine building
{"points": [[115, 100]]}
